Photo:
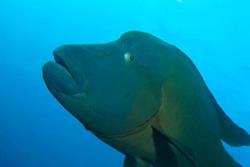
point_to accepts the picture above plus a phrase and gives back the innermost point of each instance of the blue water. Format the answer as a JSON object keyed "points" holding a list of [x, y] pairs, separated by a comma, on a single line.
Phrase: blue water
{"points": [[36, 131]]}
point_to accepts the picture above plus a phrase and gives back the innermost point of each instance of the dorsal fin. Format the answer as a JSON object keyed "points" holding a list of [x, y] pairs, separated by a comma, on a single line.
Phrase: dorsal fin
{"points": [[231, 133]]}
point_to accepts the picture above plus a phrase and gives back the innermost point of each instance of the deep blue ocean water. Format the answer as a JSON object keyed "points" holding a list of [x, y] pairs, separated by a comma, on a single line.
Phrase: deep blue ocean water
{"points": [[35, 131]]}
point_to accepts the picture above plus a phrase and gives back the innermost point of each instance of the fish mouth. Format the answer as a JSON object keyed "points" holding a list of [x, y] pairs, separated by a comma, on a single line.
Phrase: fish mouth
{"points": [[59, 77]]}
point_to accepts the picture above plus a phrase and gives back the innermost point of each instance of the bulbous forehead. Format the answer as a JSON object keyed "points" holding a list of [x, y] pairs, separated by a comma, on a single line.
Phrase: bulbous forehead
{"points": [[130, 38], [130, 35]]}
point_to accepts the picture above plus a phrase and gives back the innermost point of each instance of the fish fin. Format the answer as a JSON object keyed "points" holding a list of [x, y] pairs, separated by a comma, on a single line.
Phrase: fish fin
{"points": [[135, 162], [231, 133], [165, 152], [165, 155]]}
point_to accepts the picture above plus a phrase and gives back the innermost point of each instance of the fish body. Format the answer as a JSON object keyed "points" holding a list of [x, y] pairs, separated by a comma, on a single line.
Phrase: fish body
{"points": [[145, 98]]}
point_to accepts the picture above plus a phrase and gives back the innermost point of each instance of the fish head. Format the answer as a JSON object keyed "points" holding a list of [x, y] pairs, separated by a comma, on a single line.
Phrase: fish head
{"points": [[111, 88]]}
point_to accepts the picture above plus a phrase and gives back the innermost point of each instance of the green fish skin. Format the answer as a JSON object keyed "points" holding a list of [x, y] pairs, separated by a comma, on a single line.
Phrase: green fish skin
{"points": [[145, 98]]}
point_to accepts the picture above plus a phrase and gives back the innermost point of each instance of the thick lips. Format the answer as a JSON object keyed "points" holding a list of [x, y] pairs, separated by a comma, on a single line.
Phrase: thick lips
{"points": [[58, 77]]}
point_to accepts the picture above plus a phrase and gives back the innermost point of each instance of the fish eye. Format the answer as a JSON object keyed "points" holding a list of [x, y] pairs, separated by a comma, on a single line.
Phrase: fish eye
{"points": [[128, 57]]}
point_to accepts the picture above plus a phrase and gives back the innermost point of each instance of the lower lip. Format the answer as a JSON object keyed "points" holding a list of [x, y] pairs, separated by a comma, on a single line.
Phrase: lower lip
{"points": [[59, 79]]}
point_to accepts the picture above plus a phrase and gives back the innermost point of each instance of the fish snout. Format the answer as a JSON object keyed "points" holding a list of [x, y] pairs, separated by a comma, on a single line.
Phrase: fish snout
{"points": [[62, 75]]}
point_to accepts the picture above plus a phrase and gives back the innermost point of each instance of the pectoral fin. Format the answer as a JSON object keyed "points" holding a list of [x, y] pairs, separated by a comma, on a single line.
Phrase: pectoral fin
{"points": [[165, 153], [135, 162]]}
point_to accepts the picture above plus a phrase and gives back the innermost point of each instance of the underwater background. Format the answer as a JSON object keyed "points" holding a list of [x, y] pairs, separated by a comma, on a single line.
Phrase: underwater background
{"points": [[35, 130]]}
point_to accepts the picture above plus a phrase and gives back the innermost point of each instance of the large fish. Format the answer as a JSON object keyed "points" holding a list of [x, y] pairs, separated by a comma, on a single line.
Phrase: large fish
{"points": [[145, 98]]}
